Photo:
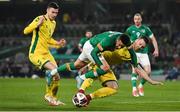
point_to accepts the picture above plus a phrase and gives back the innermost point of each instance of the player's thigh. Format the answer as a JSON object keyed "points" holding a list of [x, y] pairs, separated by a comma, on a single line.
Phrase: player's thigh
{"points": [[109, 79], [147, 68], [112, 84], [87, 49], [51, 64], [144, 61], [38, 60], [79, 64], [41, 60]]}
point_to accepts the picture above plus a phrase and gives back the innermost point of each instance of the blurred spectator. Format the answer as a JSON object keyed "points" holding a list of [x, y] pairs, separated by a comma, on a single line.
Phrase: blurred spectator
{"points": [[66, 18], [172, 74]]}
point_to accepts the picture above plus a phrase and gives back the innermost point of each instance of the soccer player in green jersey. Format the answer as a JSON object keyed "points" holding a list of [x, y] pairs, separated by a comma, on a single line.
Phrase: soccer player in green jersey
{"points": [[88, 35], [92, 52], [136, 31]]}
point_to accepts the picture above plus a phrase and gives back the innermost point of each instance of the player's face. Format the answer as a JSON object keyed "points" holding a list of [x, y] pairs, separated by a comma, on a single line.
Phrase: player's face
{"points": [[52, 13], [137, 20], [139, 43], [119, 44], [88, 34]]}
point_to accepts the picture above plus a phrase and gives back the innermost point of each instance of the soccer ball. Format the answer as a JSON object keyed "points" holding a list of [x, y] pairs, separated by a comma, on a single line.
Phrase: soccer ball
{"points": [[80, 100]]}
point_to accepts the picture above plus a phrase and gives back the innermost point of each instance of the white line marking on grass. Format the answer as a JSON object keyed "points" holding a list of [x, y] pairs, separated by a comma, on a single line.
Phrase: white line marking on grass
{"points": [[141, 102]]}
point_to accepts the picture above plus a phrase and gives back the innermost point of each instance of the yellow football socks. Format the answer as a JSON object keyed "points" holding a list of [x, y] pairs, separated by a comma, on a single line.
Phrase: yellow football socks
{"points": [[52, 89], [87, 83]]}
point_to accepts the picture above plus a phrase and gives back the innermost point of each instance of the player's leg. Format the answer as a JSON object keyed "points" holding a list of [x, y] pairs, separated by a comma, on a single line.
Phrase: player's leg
{"points": [[54, 84], [78, 64], [43, 61], [110, 86], [133, 83], [97, 71], [134, 75], [52, 88], [86, 83], [147, 67], [83, 70]]}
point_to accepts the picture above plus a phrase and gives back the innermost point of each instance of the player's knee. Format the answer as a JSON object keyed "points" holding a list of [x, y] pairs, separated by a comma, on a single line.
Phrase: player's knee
{"points": [[148, 72], [112, 84], [147, 69]]}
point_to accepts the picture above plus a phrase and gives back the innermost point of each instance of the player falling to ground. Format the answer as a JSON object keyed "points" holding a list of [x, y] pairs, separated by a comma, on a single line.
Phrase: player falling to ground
{"points": [[136, 31], [109, 81], [92, 52], [42, 28]]}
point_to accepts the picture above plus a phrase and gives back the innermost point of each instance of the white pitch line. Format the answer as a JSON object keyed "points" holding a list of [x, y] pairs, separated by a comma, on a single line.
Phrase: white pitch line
{"points": [[141, 102]]}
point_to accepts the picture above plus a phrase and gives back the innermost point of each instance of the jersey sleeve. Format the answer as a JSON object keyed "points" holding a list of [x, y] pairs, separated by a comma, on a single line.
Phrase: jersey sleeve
{"points": [[80, 43], [133, 57], [128, 31], [52, 42], [105, 43], [31, 26], [149, 32], [54, 46], [95, 56]]}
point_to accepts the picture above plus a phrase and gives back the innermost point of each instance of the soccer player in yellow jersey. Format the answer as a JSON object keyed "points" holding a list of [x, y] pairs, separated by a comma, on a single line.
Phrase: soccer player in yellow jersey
{"points": [[109, 81], [42, 28]]}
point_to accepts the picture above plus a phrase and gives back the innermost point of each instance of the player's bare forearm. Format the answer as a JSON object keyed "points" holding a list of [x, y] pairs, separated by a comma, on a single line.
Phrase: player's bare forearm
{"points": [[144, 75], [156, 49]]}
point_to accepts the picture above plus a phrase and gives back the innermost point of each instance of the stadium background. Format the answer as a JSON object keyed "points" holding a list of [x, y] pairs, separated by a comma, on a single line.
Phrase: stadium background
{"points": [[162, 16], [26, 94]]}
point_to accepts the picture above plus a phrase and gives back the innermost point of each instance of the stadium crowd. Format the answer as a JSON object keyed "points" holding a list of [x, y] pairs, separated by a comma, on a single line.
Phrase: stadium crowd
{"points": [[72, 26]]}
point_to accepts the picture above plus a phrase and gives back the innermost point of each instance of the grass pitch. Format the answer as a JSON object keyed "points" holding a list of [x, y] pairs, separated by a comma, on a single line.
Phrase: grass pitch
{"points": [[27, 95]]}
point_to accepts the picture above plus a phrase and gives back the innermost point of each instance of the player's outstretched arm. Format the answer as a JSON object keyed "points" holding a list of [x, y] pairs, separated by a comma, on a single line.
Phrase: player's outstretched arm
{"points": [[57, 44], [34, 24], [143, 74], [156, 49]]}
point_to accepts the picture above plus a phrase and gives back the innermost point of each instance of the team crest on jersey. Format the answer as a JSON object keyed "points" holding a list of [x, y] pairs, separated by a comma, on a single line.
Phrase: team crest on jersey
{"points": [[143, 30]]}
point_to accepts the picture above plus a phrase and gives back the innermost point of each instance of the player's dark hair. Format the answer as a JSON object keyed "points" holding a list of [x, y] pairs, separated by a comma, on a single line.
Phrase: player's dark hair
{"points": [[125, 39], [53, 5], [138, 14], [145, 39]]}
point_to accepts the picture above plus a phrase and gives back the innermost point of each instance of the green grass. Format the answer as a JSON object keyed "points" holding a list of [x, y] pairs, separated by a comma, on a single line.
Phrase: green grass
{"points": [[27, 95]]}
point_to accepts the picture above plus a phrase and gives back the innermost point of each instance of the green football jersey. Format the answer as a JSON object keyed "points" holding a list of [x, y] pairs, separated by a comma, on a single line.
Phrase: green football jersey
{"points": [[136, 32], [108, 42], [82, 41], [106, 39]]}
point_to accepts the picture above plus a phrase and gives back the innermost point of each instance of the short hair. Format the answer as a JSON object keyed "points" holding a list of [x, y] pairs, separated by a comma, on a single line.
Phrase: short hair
{"points": [[125, 39], [138, 14], [145, 38], [53, 5]]}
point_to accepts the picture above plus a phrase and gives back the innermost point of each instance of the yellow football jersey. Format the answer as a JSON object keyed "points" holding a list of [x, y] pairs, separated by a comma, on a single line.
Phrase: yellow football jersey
{"points": [[42, 35], [117, 57]]}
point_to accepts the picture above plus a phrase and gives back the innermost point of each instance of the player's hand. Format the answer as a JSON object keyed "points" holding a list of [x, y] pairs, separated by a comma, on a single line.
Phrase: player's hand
{"points": [[62, 42], [156, 83], [105, 67], [156, 53], [56, 77], [41, 19]]}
